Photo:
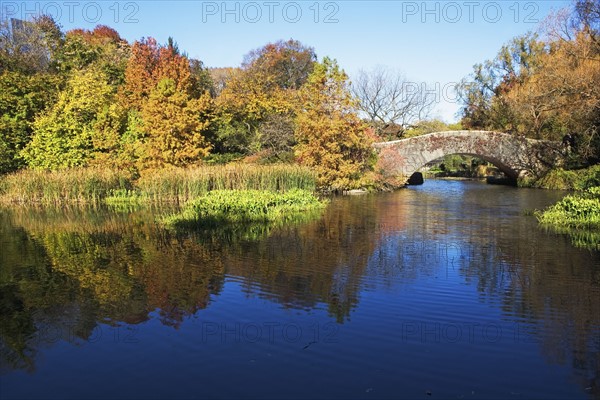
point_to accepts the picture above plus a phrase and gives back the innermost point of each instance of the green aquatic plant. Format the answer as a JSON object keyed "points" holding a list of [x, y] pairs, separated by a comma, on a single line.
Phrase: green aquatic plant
{"points": [[231, 207], [573, 211], [577, 216]]}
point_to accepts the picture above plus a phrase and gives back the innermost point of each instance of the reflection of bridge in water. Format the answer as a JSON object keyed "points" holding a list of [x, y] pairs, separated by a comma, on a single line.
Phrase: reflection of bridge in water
{"points": [[513, 155]]}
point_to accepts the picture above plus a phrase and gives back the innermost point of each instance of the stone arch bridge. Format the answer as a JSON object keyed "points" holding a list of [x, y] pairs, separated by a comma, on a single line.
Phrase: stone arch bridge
{"points": [[515, 156]]}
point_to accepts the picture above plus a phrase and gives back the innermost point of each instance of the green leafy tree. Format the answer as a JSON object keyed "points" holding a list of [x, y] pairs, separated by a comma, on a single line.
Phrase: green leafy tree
{"points": [[331, 137], [83, 124], [22, 97]]}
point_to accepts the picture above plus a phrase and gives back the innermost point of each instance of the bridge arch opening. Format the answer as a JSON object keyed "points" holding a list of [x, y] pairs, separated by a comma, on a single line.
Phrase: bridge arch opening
{"points": [[463, 165]]}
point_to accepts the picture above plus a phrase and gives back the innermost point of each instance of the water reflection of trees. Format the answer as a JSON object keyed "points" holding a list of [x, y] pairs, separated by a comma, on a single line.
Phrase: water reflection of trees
{"points": [[80, 268], [556, 290], [321, 261], [36, 301], [543, 285], [548, 288], [67, 271]]}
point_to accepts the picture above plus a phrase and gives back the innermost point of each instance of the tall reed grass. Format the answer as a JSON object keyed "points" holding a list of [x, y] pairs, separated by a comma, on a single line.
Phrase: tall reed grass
{"points": [[182, 185], [95, 185], [78, 185]]}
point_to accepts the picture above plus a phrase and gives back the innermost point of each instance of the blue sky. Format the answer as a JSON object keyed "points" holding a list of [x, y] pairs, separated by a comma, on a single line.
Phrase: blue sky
{"points": [[434, 43]]}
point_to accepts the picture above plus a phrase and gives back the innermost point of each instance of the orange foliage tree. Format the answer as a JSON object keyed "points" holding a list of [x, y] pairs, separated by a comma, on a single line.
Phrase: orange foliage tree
{"points": [[168, 119]]}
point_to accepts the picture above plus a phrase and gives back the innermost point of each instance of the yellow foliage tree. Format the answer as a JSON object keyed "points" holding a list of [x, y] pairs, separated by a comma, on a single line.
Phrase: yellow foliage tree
{"points": [[261, 95], [174, 125], [331, 137]]}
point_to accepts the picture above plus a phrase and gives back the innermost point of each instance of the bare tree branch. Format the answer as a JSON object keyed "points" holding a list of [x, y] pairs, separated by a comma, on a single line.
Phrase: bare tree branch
{"points": [[390, 102]]}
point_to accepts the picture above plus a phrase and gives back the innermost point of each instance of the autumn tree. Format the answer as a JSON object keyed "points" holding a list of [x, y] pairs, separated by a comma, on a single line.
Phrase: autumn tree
{"points": [[546, 87], [331, 137], [262, 94], [482, 92], [244, 104], [140, 73], [431, 126], [29, 46], [102, 46], [285, 64], [28, 82], [174, 127], [219, 78], [586, 18], [170, 112], [564, 97], [85, 124], [202, 80]]}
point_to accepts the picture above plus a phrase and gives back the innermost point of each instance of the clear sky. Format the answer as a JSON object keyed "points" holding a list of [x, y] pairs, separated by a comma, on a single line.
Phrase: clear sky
{"points": [[434, 43]]}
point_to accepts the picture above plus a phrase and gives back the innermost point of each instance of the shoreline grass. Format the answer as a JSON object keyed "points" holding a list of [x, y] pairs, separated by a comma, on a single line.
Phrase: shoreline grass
{"points": [[183, 185], [69, 186], [118, 187]]}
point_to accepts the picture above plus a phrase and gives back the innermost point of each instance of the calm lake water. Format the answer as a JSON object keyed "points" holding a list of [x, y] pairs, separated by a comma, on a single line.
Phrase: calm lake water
{"points": [[447, 290]]}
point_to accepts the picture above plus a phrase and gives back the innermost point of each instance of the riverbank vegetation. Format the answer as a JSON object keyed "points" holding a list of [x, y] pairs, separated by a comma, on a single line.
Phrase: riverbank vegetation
{"points": [[94, 185], [544, 85], [90, 99], [562, 179], [578, 216], [148, 118], [226, 207], [77, 185]]}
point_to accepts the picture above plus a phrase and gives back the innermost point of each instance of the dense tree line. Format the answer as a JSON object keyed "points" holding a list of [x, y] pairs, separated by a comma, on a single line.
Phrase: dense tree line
{"points": [[85, 98], [544, 85], [91, 98]]}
